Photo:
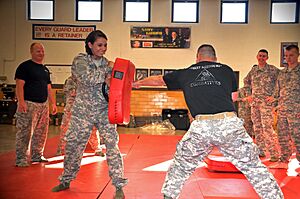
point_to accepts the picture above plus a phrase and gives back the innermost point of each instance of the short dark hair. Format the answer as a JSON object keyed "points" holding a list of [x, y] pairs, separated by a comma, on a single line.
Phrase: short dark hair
{"points": [[263, 51], [292, 46], [207, 50], [92, 37]]}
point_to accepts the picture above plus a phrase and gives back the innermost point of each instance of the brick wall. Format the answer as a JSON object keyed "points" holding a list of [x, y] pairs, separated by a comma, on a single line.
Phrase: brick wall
{"points": [[151, 102]]}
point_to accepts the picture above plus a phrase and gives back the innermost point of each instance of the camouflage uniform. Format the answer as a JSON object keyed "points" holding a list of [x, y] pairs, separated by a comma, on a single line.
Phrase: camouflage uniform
{"points": [[32, 124], [260, 84], [287, 92], [230, 137], [91, 109], [245, 111], [70, 94]]}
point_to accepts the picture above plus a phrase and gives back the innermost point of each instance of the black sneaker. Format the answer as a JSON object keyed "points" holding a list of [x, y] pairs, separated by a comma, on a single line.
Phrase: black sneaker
{"points": [[42, 159], [59, 152], [262, 155], [61, 187], [274, 159], [99, 153], [22, 164], [119, 194], [167, 197]]}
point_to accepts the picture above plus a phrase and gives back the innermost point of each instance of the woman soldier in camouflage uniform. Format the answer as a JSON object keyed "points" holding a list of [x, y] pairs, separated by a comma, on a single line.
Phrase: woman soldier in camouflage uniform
{"points": [[91, 109]]}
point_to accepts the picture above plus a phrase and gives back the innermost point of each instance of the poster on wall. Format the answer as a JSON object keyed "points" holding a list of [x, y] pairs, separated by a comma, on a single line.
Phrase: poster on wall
{"points": [[166, 71], [61, 32], [160, 37], [282, 50], [154, 72], [141, 73]]}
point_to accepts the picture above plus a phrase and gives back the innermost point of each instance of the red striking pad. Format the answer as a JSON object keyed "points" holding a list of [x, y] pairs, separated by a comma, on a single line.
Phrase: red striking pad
{"points": [[217, 162], [120, 91]]}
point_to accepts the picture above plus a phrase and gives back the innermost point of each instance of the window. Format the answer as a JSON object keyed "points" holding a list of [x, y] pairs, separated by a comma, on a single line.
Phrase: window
{"points": [[284, 11], [89, 10], [234, 11], [185, 11], [41, 10], [136, 11]]}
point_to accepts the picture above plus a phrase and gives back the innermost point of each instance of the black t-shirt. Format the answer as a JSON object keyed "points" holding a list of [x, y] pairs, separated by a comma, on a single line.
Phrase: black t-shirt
{"points": [[207, 87], [37, 78]]}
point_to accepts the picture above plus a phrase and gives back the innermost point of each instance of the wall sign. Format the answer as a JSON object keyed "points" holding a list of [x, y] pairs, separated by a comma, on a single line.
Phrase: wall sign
{"points": [[160, 37], [61, 32]]}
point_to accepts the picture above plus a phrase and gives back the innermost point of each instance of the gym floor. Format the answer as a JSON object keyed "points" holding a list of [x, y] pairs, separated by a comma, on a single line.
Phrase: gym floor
{"points": [[146, 153]]}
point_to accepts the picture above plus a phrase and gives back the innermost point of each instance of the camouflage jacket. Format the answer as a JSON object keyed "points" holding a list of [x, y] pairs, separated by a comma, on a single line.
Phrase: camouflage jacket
{"points": [[243, 106], [260, 82], [69, 88], [287, 90], [89, 77]]}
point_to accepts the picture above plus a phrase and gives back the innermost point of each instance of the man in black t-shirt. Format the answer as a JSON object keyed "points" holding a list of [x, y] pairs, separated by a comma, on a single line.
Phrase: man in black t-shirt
{"points": [[33, 89], [209, 89]]}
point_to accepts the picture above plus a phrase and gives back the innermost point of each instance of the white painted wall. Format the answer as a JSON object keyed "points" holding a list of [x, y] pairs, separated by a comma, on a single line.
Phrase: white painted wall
{"points": [[236, 45]]}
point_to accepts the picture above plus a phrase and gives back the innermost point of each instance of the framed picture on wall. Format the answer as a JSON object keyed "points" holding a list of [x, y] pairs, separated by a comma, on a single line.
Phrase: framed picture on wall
{"points": [[59, 72], [154, 72], [282, 50], [160, 37], [166, 71], [141, 73]]}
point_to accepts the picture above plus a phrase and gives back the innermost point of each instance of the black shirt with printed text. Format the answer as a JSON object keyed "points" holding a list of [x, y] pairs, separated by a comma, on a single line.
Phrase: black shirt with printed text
{"points": [[207, 87], [37, 78]]}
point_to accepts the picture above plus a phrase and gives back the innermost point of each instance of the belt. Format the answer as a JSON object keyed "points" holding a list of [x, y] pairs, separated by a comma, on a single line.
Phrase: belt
{"points": [[217, 116]]}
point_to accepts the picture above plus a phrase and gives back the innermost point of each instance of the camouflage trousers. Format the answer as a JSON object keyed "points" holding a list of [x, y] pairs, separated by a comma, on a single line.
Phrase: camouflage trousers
{"points": [[77, 137], [289, 133], [32, 129], [94, 139], [230, 137], [265, 137]]}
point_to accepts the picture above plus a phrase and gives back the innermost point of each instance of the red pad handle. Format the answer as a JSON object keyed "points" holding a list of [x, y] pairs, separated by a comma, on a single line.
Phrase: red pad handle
{"points": [[120, 92]]}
